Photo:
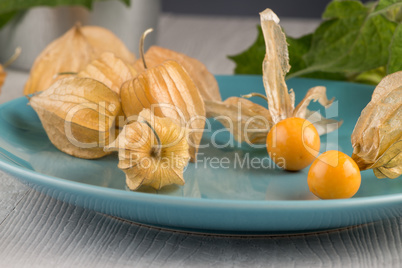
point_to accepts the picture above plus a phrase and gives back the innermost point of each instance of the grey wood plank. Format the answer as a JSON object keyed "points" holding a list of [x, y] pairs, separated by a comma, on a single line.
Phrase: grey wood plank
{"points": [[11, 193], [44, 232]]}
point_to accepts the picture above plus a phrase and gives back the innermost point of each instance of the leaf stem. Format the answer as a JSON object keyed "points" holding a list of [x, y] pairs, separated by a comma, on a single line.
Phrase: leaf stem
{"points": [[304, 71], [386, 9]]}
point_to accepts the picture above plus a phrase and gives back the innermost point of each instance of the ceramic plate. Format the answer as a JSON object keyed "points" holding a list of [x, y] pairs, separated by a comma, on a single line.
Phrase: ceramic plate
{"points": [[246, 193]]}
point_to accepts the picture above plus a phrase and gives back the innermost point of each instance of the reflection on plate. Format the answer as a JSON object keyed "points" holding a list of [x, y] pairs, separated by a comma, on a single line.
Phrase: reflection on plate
{"points": [[245, 193]]}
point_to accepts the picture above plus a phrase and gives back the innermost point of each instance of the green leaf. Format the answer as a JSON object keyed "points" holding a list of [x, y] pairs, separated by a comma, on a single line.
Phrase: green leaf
{"points": [[297, 48], [4, 18], [344, 9], [250, 61], [395, 52], [392, 9], [355, 42], [388, 4]]}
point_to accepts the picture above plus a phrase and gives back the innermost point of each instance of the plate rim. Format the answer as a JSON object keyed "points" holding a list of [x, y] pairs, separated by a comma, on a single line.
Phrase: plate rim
{"points": [[32, 176], [38, 178]]}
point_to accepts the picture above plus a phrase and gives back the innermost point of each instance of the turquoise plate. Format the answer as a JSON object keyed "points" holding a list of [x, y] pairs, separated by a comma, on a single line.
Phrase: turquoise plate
{"points": [[245, 195]]}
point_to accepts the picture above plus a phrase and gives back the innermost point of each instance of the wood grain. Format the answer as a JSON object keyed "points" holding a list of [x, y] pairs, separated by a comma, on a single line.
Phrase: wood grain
{"points": [[11, 193], [44, 232]]}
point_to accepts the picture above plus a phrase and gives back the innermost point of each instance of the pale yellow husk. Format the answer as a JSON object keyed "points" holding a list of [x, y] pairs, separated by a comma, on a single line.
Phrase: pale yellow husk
{"points": [[110, 70], [147, 162], [168, 91], [72, 52], [78, 115], [204, 80], [237, 113], [377, 137]]}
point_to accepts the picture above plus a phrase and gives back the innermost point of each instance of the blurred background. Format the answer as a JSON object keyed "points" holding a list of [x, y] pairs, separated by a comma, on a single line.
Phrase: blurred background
{"points": [[283, 8], [208, 30], [218, 28], [186, 26]]}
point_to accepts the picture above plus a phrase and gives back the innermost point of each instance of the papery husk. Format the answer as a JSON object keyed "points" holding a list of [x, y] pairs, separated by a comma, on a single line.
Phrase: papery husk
{"points": [[147, 161], [71, 53], [281, 101], [275, 67], [110, 70], [315, 93], [78, 115], [168, 91], [322, 124], [246, 120], [377, 137], [3, 75], [204, 80]]}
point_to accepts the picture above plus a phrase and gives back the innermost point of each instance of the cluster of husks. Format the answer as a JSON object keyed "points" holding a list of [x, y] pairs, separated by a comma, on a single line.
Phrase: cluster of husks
{"points": [[78, 115], [168, 91], [87, 86]]}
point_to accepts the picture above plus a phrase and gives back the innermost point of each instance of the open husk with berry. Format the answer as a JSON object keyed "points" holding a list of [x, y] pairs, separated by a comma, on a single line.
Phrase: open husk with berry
{"points": [[255, 121]]}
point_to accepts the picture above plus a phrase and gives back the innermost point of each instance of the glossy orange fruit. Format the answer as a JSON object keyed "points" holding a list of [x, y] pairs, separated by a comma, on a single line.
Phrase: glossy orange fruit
{"points": [[293, 143], [334, 175]]}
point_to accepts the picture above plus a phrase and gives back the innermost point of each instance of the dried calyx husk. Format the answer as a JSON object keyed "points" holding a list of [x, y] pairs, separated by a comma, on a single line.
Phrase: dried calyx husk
{"points": [[72, 52], [78, 115], [255, 116], [168, 90], [377, 137], [110, 70], [204, 80], [3, 73], [153, 151], [281, 101]]}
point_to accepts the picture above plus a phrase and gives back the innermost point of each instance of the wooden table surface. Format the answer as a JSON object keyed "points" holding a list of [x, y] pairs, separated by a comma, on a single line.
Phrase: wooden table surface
{"points": [[39, 231]]}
